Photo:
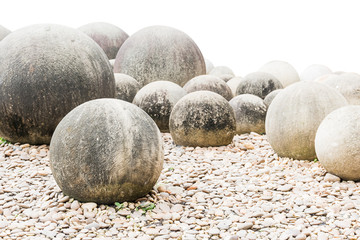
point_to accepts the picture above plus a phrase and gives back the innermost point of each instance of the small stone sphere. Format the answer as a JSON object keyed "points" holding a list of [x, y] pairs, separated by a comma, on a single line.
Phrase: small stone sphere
{"points": [[209, 83], [283, 71], [203, 119], [160, 53], [337, 143], [259, 84], [157, 99], [112, 61], [106, 151], [209, 66], [4, 32], [223, 72], [126, 87], [108, 36], [250, 112], [233, 83], [270, 97], [46, 71], [294, 116], [314, 71]]}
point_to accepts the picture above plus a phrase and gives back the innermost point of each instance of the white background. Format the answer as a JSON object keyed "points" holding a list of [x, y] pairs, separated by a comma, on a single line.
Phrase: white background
{"points": [[242, 35]]}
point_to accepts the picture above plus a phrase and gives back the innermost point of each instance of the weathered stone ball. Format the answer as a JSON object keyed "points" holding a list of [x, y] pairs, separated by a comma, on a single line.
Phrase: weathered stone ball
{"points": [[337, 143], [209, 66], [250, 113], [157, 99], [203, 119], [223, 72], [314, 71], [294, 116], [126, 87], [233, 83], [160, 53], [106, 151], [4, 32], [283, 71], [259, 84], [108, 36], [270, 97], [46, 71], [209, 83]]}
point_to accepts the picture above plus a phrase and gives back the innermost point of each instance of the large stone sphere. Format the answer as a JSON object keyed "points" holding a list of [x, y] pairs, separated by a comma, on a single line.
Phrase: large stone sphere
{"points": [[250, 112], [314, 71], [283, 71], [295, 114], [233, 83], [209, 83], [108, 36], [337, 143], [106, 151], [223, 72], [126, 87], [157, 99], [4, 32], [160, 53], [46, 71], [259, 84], [202, 119]]}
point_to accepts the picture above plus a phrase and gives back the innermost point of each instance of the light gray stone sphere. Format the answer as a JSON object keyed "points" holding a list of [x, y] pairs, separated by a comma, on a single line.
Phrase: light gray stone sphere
{"points": [[209, 66], [294, 116], [106, 151], [202, 119], [108, 36], [283, 71], [250, 113], [46, 71], [209, 83], [4, 32], [157, 99], [259, 84], [270, 97], [126, 87], [314, 71], [233, 83], [112, 61], [157, 53], [223, 72], [337, 143]]}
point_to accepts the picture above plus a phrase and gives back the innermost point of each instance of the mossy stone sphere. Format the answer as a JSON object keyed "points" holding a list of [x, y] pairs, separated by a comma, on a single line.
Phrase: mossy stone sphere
{"points": [[233, 83], [4, 32], [314, 71], [106, 151], [45, 72], [108, 36], [157, 99], [270, 97], [202, 119], [126, 87], [160, 53], [337, 143], [283, 71], [294, 116]]}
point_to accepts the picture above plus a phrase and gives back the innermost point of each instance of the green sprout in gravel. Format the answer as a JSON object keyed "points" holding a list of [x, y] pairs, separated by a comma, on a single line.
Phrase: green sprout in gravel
{"points": [[145, 207], [2, 140], [315, 160], [118, 206]]}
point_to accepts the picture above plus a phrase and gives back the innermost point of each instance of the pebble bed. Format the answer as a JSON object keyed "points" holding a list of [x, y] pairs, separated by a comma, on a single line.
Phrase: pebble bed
{"points": [[240, 191]]}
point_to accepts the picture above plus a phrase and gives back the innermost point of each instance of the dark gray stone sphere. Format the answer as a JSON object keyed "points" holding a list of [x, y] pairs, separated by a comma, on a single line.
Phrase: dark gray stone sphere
{"points": [[46, 71], [158, 99], [259, 84], [4, 32], [223, 72], [203, 119], [106, 151], [108, 36], [209, 83], [270, 97], [126, 87], [157, 53]]}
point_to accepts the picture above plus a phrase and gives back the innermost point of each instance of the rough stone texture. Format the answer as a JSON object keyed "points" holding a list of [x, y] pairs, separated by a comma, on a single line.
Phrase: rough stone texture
{"points": [[209, 83], [160, 53], [157, 99], [270, 97], [209, 66], [3, 32], [337, 143], [223, 72], [250, 112], [259, 84], [106, 150], [283, 71], [108, 36], [202, 118], [233, 83], [295, 114], [313, 72], [126, 87], [46, 71]]}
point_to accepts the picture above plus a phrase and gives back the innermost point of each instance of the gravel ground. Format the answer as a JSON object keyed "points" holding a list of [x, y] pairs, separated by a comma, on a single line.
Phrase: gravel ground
{"points": [[239, 191]]}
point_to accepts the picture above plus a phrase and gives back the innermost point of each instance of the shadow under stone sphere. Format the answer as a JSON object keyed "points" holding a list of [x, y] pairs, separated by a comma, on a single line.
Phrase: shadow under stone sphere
{"points": [[126, 87], [160, 53], [4, 32], [45, 72], [106, 151], [203, 119]]}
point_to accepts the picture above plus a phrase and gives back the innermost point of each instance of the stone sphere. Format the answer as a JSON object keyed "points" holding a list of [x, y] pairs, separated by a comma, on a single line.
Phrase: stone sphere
{"points": [[283, 71], [126, 87], [270, 97], [106, 151], [202, 119], [294, 116], [250, 113], [314, 71], [209, 66], [108, 36], [157, 99], [209, 83], [223, 72], [337, 143], [259, 84], [46, 71], [233, 83], [4, 32], [112, 61], [160, 53]]}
